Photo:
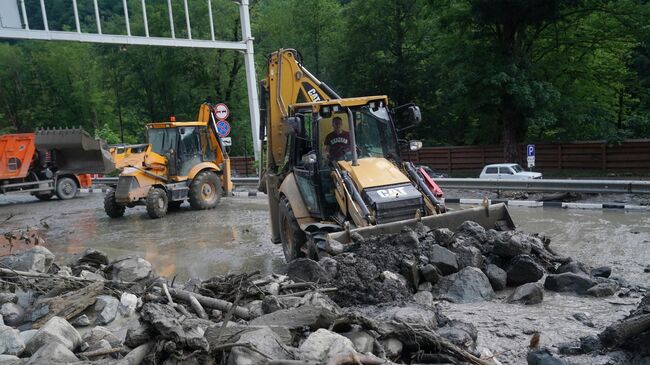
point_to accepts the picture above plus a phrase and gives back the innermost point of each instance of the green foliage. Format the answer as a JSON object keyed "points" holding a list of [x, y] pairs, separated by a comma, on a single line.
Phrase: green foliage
{"points": [[482, 71]]}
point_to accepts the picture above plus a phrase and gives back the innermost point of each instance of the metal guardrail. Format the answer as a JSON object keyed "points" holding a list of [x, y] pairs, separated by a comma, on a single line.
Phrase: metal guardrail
{"points": [[544, 186], [550, 185]]}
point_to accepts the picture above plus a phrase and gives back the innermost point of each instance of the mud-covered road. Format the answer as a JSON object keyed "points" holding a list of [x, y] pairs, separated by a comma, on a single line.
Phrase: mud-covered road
{"points": [[235, 238]]}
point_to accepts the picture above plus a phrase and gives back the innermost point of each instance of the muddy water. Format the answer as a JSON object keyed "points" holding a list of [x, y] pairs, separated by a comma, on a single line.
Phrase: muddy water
{"points": [[232, 238]]}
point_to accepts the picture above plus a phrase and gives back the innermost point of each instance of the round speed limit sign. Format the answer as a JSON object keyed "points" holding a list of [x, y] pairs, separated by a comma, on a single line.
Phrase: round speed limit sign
{"points": [[221, 111]]}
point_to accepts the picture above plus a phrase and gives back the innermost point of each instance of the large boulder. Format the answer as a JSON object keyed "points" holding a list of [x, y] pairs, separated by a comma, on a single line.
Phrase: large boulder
{"points": [[469, 256], [53, 353], [529, 293], [302, 269], [524, 269], [602, 271], [10, 341], [457, 336], [100, 333], [445, 260], [131, 269], [91, 257], [497, 276], [38, 259], [264, 340], [410, 314], [323, 345], [605, 289], [511, 244], [12, 314], [573, 267], [467, 285], [56, 330], [431, 273], [568, 282], [473, 230], [362, 341], [543, 357]]}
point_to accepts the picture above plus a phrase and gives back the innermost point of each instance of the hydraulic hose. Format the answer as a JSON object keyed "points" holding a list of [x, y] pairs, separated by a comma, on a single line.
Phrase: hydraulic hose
{"points": [[355, 194], [422, 185]]}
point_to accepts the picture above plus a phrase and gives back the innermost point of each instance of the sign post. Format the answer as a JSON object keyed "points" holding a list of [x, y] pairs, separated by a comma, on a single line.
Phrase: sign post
{"points": [[530, 152]]}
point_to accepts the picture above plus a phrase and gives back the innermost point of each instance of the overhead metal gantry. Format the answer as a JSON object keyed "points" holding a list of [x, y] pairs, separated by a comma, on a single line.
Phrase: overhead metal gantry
{"points": [[14, 24]]}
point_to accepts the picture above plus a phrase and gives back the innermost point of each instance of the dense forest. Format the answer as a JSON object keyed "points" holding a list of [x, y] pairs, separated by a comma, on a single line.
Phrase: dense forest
{"points": [[482, 71]]}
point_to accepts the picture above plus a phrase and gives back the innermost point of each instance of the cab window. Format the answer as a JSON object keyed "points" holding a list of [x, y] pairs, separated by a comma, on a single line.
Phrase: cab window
{"points": [[505, 171], [491, 170]]}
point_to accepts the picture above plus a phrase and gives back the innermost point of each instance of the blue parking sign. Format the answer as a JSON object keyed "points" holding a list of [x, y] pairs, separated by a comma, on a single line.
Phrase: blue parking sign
{"points": [[530, 150]]}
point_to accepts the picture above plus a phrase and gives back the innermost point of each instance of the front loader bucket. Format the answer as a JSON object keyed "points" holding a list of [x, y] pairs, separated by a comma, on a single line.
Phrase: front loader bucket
{"points": [[75, 151], [493, 217]]}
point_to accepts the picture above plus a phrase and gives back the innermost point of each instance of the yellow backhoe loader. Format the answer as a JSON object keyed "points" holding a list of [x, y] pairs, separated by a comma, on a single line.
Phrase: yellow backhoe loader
{"points": [[182, 161], [334, 168]]}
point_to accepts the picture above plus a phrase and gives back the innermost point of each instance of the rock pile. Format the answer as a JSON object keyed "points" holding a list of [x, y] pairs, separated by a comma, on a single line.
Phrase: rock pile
{"points": [[467, 265]]}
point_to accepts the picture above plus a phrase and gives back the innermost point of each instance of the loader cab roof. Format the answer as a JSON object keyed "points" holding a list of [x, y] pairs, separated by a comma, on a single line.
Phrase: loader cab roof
{"points": [[174, 124], [345, 102]]}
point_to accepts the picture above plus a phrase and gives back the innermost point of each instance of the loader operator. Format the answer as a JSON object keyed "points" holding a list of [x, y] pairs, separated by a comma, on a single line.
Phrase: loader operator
{"points": [[337, 142]]}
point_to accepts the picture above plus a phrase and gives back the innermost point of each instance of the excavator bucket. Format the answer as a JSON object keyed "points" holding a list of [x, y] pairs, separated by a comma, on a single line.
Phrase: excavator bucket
{"points": [[491, 217], [75, 151]]}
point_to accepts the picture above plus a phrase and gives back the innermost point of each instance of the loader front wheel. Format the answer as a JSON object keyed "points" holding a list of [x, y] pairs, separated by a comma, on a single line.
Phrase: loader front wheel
{"points": [[292, 237], [205, 191], [66, 188], [111, 207], [157, 203]]}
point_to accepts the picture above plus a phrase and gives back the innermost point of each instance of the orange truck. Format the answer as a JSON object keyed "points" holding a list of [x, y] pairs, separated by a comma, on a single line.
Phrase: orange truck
{"points": [[51, 162]]}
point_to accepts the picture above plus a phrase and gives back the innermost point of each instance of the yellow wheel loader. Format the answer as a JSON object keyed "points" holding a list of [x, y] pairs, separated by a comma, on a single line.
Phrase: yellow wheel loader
{"points": [[334, 168], [181, 161]]}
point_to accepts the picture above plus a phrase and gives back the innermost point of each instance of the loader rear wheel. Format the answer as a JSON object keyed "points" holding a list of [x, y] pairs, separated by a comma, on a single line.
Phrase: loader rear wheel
{"points": [[112, 208], [157, 203], [66, 188], [205, 191], [292, 237]]}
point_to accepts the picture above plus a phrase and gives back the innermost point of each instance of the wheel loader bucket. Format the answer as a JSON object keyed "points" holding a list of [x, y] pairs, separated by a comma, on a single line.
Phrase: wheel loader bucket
{"points": [[75, 151], [492, 217]]}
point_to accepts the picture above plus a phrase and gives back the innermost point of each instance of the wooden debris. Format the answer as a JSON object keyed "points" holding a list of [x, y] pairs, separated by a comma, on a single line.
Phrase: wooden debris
{"points": [[212, 303], [68, 305]]}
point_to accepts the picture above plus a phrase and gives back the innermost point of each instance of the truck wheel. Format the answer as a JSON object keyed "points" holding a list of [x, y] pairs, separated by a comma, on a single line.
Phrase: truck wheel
{"points": [[112, 208], [157, 203], [66, 188], [205, 191], [44, 196], [292, 237]]}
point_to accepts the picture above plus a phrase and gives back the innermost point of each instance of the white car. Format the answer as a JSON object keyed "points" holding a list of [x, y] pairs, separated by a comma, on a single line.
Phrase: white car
{"points": [[508, 171]]}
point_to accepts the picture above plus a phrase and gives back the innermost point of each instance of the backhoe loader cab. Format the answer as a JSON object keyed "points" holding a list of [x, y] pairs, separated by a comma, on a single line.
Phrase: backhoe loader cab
{"points": [[333, 166], [182, 161]]}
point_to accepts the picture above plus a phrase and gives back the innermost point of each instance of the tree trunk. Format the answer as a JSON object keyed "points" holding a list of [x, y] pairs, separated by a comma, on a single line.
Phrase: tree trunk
{"points": [[510, 138]]}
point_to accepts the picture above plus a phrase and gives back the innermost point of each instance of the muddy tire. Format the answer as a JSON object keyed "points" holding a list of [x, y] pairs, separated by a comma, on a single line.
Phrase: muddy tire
{"points": [[292, 237], [66, 188], [44, 196], [205, 191], [175, 205], [157, 203], [111, 207]]}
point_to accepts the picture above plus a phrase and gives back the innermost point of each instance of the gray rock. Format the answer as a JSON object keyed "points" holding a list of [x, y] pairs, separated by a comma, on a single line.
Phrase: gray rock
{"points": [[584, 319], [469, 256], [10, 359], [431, 273], [100, 333], [458, 337], [319, 300], [330, 265], [131, 269], [511, 244], [255, 307], [589, 344], [543, 357], [442, 236], [38, 259], [392, 346], [26, 336], [92, 257], [310, 316], [81, 321], [568, 282], [497, 276], [425, 286], [52, 353], [272, 303], [99, 345], [12, 314], [529, 293], [106, 307], [323, 344], [307, 270], [7, 297], [10, 341], [424, 298], [362, 341], [524, 269], [128, 303], [445, 260], [394, 277], [85, 274], [56, 330], [467, 285], [602, 271], [572, 267], [138, 335], [410, 314], [603, 289], [473, 230]]}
